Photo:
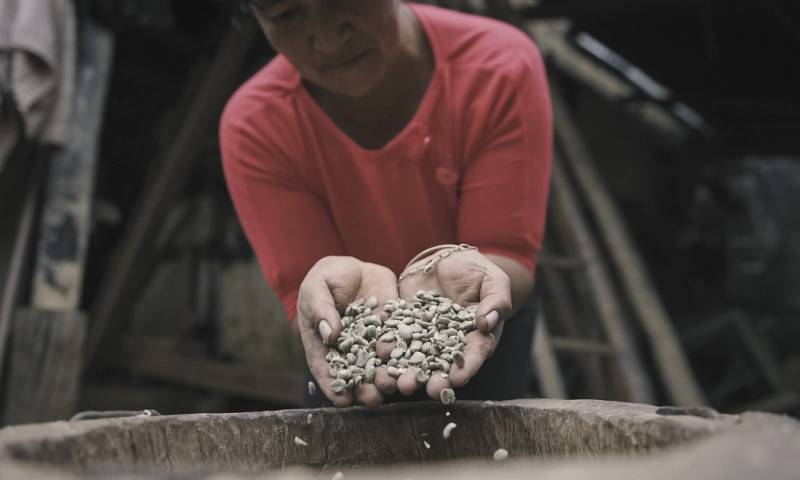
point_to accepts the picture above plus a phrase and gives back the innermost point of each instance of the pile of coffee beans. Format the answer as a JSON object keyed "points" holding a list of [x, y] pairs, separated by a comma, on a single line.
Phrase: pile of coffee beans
{"points": [[428, 334]]}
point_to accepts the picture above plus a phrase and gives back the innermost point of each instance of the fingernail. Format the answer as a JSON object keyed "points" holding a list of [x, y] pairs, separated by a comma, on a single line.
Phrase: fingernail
{"points": [[325, 331], [491, 319]]}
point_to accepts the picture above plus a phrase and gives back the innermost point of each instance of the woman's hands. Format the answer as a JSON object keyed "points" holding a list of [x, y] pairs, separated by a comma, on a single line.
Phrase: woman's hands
{"points": [[330, 285], [466, 277]]}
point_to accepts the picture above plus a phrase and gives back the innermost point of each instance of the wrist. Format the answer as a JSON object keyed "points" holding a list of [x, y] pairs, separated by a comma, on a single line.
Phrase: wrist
{"points": [[426, 260]]}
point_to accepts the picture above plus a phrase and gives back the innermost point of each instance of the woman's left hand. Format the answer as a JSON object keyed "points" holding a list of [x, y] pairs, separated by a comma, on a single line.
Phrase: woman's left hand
{"points": [[466, 277]]}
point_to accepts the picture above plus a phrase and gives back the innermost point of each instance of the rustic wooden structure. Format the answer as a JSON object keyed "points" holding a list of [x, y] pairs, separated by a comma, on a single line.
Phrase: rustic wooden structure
{"points": [[578, 439], [47, 341], [579, 200], [604, 301]]}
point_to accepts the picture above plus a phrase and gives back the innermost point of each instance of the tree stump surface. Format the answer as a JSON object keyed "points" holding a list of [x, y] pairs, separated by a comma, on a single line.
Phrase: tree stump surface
{"points": [[546, 439]]}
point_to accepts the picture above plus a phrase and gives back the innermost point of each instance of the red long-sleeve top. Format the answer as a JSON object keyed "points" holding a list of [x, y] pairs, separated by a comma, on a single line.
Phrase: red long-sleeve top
{"points": [[472, 166]]}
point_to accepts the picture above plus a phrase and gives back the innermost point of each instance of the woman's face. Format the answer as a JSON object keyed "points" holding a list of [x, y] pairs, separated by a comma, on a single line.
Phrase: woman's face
{"points": [[342, 46]]}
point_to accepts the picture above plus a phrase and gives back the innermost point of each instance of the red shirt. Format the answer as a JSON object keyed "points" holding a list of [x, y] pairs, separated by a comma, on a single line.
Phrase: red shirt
{"points": [[472, 166]]}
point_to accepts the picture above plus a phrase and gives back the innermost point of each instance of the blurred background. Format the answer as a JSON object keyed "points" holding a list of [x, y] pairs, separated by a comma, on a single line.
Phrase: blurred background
{"points": [[671, 269]]}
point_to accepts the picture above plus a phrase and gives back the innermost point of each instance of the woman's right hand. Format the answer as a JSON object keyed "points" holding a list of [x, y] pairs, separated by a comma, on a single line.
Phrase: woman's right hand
{"points": [[330, 285]]}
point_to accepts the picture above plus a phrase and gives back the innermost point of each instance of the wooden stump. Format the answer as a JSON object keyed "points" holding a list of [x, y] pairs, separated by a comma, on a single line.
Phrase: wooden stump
{"points": [[578, 439]]}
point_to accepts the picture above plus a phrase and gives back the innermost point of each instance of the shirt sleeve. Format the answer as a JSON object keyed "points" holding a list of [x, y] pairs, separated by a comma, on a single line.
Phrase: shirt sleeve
{"points": [[505, 186], [288, 226]]}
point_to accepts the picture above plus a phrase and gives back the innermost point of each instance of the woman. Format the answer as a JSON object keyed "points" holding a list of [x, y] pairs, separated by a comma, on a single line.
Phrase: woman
{"points": [[380, 130]]}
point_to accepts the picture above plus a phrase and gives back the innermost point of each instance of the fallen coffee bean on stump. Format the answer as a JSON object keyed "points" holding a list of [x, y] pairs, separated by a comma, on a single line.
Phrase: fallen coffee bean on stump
{"points": [[500, 454], [428, 334], [448, 429], [447, 396]]}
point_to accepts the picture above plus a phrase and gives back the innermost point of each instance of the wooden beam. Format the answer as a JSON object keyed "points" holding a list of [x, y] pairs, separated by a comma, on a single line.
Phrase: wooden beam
{"points": [[561, 54], [566, 59], [132, 259], [545, 361]]}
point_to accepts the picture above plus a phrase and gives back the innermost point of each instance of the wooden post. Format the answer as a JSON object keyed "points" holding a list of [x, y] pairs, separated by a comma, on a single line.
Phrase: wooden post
{"points": [[545, 361]]}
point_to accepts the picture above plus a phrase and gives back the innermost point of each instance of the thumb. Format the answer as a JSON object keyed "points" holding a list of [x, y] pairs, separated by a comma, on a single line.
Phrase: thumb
{"points": [[316, 306], [495, 302]]}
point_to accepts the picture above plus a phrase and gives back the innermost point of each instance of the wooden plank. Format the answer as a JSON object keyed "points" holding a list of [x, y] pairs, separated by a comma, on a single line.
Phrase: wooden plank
{"points": [[66, 215], [670, 358], [574, 231], [132, 259], [46, 356], [157, 361], [561, 54], [545, 362], [565, 59]]}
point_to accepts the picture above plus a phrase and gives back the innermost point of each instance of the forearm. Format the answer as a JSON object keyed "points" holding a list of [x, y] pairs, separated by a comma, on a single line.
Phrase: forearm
{"points": [[521, 280]]}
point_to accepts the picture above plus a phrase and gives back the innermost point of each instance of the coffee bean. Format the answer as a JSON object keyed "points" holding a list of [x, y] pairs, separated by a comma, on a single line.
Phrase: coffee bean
{"points": [[447, 396], [500, 454]]}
